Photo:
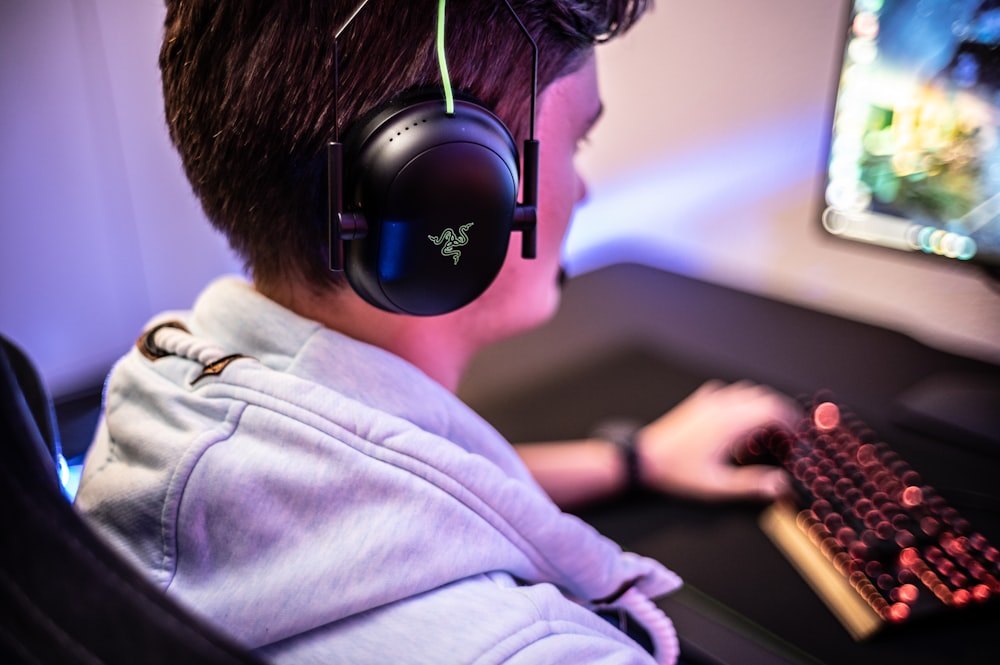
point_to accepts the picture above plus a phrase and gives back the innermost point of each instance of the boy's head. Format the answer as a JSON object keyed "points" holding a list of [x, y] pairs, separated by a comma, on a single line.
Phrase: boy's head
{"points": [[249, 97]]}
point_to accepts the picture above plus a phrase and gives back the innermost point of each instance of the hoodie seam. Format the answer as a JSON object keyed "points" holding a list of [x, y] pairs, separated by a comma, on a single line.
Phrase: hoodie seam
{"points": [[178, 485]]}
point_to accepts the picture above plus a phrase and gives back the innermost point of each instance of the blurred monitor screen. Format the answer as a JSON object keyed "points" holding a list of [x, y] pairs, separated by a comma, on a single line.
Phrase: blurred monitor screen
{"points": [[914, 157]]}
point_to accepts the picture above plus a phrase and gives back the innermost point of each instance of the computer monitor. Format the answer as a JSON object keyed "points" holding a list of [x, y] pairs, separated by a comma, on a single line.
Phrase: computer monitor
{"points": [[914, 153]]}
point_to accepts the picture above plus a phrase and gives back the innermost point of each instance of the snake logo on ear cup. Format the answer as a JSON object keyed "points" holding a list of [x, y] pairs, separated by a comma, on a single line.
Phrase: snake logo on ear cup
{"points": [[438, 194]]}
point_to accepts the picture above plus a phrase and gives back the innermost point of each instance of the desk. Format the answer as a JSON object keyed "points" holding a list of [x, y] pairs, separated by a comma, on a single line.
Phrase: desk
{"points": [[681, 332]]}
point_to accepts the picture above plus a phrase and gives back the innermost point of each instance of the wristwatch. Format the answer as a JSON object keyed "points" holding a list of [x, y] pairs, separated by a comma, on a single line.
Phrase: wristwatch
{"points": [[623, 433]]}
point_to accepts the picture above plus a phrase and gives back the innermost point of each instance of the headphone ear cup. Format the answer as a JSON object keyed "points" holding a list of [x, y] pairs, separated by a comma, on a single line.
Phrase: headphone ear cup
{"points": [[438, 192]]}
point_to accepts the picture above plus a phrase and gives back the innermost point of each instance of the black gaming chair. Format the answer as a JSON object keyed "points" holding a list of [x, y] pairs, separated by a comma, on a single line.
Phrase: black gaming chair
{"points": [[65, 596]]}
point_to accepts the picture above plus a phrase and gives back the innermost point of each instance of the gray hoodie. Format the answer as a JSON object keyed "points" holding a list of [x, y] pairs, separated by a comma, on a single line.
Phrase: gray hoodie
{"points": [[324, 501]]}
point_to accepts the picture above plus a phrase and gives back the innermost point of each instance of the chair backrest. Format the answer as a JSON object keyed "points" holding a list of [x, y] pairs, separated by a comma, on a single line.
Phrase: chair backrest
{"points": [[31, 404], [65, 595]]}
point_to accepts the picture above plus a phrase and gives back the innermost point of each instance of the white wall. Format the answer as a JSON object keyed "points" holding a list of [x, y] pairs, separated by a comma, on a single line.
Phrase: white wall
{"points": [[98, 228], [706, 163]]}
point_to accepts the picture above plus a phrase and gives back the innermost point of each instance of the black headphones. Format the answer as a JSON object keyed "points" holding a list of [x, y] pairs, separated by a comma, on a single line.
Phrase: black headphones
{"points": [[422, 222]]}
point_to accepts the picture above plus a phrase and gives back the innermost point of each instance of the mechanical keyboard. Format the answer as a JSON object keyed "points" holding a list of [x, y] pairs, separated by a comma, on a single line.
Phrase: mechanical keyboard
{"points": [[878, 545]]}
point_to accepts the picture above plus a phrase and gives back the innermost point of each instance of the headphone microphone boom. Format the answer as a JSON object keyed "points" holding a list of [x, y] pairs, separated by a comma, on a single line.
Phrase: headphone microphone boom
{"points": [[431, 197]]}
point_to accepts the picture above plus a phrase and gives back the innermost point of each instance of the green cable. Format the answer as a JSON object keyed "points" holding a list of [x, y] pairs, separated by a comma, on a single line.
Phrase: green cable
{"points": [[449, 98]]}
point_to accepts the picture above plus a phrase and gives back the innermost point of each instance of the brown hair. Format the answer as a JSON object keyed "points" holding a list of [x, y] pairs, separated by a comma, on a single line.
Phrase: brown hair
{"points": [[249, 96]]}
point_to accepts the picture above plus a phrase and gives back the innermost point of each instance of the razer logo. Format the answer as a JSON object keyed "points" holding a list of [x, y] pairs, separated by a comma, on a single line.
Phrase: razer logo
{"points": [[449, 241]]}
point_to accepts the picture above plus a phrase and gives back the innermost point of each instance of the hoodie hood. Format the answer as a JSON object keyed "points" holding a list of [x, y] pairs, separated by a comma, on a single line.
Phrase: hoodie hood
{"points": [[278, 476]]}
